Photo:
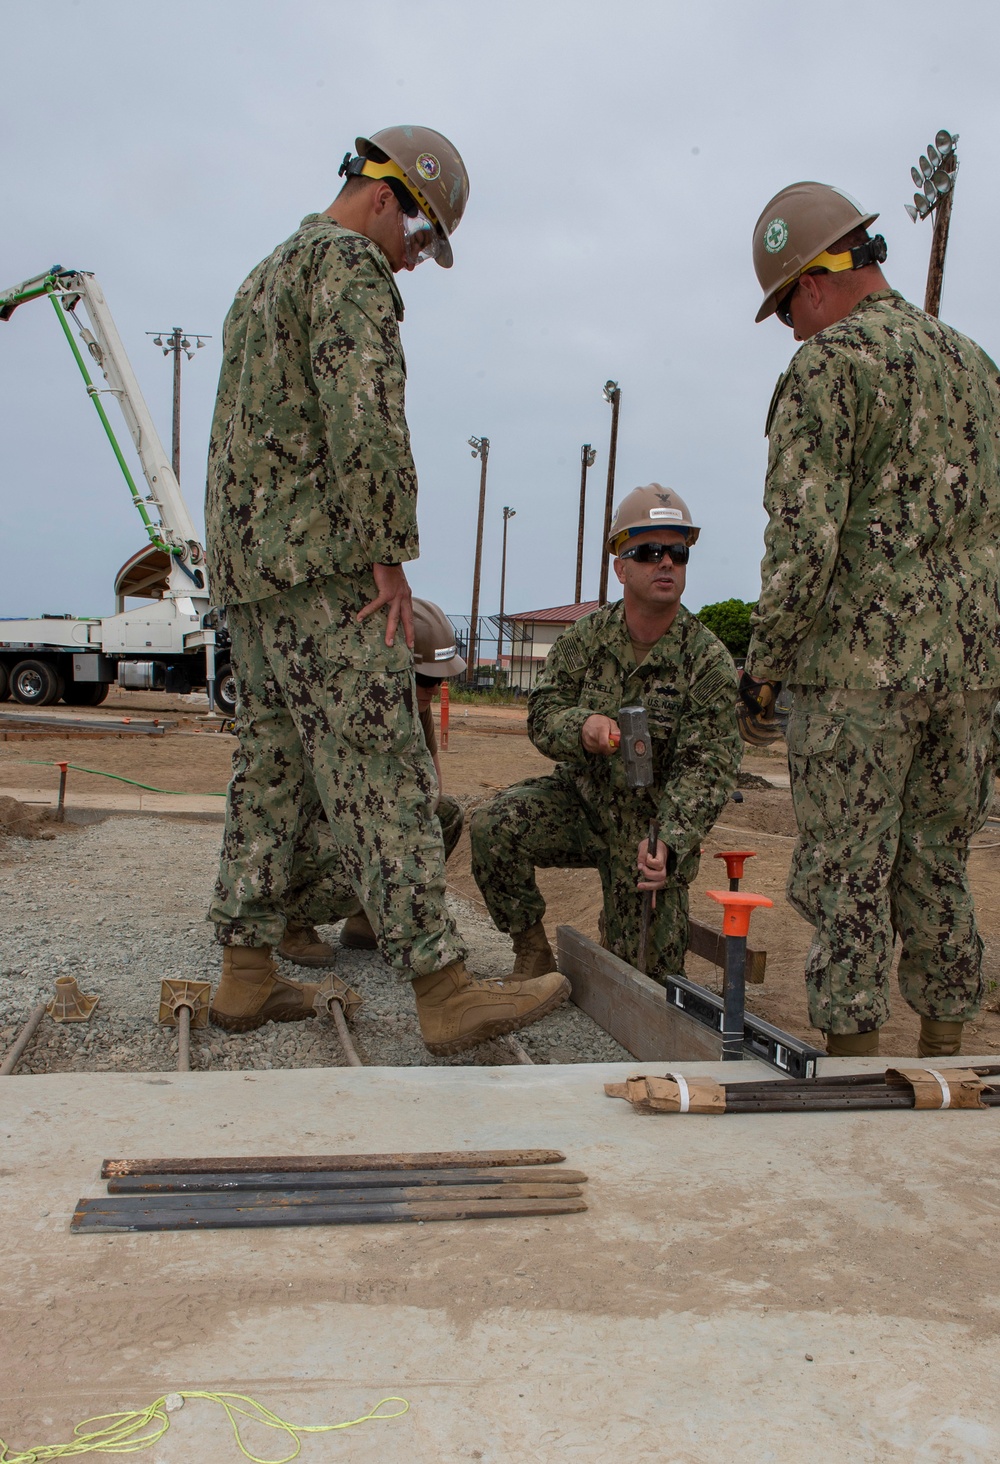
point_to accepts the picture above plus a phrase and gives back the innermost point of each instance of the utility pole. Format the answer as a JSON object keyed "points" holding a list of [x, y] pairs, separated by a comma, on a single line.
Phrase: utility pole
{"points": [[480, 449], [176, 341], [508, 514], [587, 456], [935, 175], [612, 394]]}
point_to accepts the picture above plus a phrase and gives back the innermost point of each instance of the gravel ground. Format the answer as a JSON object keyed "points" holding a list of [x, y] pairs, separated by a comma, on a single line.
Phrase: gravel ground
{"points": [[120, 905]]}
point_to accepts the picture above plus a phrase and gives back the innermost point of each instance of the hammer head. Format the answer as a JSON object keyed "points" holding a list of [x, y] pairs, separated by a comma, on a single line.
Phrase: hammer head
{"points": [[635, 746]]}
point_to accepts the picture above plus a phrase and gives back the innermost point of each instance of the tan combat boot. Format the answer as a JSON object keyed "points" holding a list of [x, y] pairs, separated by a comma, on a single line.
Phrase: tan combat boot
{"points": [[301, 944], [852, 1044], [939, 1039], [533, 954], [457, 1011], [251, 992], [357, 934]]}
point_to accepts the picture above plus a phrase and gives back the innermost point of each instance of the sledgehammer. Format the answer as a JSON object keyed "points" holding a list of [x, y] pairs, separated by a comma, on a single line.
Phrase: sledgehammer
{"points": [[637, 754]]}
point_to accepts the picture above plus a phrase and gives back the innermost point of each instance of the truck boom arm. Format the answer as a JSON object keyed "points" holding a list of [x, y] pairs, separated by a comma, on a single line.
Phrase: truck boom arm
{"points": [[175, 530]]}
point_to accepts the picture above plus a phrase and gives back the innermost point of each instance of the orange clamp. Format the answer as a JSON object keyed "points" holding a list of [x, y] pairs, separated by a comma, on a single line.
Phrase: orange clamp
{"points": [[737, 909], [734, 861]]}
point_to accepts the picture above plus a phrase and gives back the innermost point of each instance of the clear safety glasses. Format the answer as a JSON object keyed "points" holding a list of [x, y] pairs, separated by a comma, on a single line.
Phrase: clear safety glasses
{"points": [[420, 239]]}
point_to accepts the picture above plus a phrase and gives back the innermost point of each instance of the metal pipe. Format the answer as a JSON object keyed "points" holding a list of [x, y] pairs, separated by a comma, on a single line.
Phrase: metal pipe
{"points": [[519, 1052], [734, 998], [27, 1032], [183, 1039], [340, 1022], [61, 805]]}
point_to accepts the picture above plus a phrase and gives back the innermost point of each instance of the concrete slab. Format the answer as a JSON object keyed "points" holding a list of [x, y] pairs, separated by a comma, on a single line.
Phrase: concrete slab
{"points": [[127, 800], [820, 1286]]}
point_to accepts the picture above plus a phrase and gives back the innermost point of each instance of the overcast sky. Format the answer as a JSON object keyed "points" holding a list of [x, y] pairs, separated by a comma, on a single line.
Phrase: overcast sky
{"points": [[619, 155]]}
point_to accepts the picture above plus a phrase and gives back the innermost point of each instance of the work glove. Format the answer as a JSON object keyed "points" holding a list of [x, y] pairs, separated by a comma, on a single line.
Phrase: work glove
{"points": [[759, 696], [755, 711]]}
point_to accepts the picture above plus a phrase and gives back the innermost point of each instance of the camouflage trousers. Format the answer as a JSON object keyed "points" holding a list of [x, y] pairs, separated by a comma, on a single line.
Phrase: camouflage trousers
{"points": [[326, 720], [319, 895], [544, 823], [888, 789]]}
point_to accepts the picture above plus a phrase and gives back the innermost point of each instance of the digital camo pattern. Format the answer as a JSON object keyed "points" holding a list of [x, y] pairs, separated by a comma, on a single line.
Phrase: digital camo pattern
{"points": [[318, 894], [881, 560], [888, 789], [584, 814], [326, 714], [309, 465]]}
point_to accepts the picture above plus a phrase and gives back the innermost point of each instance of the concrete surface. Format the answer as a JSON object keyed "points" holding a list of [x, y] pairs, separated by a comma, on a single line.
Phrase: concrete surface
{"points": [[118, 798], [785, 1287]]}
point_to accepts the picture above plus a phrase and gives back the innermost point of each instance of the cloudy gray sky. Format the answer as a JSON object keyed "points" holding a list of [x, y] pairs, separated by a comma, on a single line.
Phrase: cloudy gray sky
{"points": [[619, 156]]}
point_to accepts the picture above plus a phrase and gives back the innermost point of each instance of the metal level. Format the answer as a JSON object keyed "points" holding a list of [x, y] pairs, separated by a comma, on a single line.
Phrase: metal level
{"points": [[787, 1053]]}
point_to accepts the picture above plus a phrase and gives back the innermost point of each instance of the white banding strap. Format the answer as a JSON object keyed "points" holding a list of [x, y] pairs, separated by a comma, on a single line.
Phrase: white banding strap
{"points": [[945, 1090], [683, 1090]]}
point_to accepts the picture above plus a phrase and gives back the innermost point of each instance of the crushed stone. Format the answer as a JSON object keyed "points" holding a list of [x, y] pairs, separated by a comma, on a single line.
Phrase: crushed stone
{"points": [[121, 906]]}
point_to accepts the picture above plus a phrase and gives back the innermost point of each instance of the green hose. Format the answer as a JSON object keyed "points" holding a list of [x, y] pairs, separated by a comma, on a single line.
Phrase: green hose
{"points": [[174, 792]]}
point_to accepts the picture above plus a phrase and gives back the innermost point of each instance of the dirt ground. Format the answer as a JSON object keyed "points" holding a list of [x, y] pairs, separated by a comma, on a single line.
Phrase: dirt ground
{"points": [[489, 750]]}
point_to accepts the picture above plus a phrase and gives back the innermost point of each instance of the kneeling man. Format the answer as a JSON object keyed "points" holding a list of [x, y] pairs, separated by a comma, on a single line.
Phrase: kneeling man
{"points": [[645, 650]]}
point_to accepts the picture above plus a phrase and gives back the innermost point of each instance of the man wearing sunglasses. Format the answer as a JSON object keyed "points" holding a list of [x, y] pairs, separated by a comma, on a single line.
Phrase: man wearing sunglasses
{"points": [[311, 514], [880, 608], [647, 649]]}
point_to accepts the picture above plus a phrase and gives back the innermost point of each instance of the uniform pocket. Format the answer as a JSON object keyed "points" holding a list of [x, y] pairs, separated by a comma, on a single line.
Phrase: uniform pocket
{"points": [[373, 690]]}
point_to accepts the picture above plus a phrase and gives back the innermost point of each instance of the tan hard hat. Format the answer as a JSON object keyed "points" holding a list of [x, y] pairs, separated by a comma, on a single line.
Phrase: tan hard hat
{"points": [[650, 508], [433, 170], [434, 650], [799, 223]]}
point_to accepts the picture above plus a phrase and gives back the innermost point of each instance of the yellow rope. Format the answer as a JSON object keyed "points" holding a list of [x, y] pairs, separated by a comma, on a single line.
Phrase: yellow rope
{"points": [[128, 1433]]}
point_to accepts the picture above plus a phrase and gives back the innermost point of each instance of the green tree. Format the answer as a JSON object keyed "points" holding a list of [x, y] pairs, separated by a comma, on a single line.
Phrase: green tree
{"points": [[730, 621]]}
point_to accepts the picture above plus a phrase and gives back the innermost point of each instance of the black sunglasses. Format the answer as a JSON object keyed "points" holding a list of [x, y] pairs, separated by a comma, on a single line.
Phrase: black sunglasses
{"points": [[783, 309], [653, 553]]}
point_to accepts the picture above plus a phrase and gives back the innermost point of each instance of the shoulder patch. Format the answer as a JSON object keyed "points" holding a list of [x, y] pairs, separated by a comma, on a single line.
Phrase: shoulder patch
{"points": [[572, 653], [775, 399], [712, 685]]}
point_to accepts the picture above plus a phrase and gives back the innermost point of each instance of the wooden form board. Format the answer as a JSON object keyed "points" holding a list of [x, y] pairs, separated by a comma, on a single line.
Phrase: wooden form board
{"points": [[631, 1007], [711, 946]]}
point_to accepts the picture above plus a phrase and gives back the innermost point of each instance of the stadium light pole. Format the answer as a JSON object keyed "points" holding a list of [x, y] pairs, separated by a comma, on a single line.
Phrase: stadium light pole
{"points": [[481, 450], [612, 394], [508, 514], [587, 456]]}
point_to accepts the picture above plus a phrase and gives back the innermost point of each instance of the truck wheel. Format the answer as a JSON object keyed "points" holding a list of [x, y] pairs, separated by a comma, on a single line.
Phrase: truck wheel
{"points": [[86, 693], [4, 684], [225, 689], [35, 683]]}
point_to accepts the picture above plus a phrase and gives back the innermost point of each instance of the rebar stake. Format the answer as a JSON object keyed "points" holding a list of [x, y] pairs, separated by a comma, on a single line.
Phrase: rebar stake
{"points": [[737, 909], [340, 1001], [23, 1038], [184, 1004]]}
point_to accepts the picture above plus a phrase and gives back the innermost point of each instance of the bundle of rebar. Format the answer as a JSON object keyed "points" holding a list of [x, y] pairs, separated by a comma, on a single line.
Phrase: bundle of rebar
{"points": [[214, 1194], [903, 1087]]}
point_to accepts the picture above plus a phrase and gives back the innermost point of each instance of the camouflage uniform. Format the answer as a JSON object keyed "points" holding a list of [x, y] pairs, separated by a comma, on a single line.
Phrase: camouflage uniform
{"points": [[584, 815], [310, 483], [318, 893], [880, 608]]}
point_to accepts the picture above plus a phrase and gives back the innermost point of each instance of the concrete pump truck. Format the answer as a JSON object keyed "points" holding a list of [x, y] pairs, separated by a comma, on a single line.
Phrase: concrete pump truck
{"points": [[168, 643]]}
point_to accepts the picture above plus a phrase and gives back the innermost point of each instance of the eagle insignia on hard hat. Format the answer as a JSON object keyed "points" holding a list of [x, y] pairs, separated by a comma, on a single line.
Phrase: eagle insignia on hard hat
{"points": [[776, 236], [428, 166]]}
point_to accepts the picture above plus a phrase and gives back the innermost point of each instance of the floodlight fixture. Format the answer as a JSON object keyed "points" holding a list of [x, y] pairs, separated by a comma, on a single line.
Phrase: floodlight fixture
{"points": [[611, 390], [925, 166], [480, 446]]}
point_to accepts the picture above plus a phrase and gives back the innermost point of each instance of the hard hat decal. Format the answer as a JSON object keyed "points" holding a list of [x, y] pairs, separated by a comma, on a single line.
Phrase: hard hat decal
{"points": [[775, 236], [445, 653], [666, 513], [428, 167]]}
